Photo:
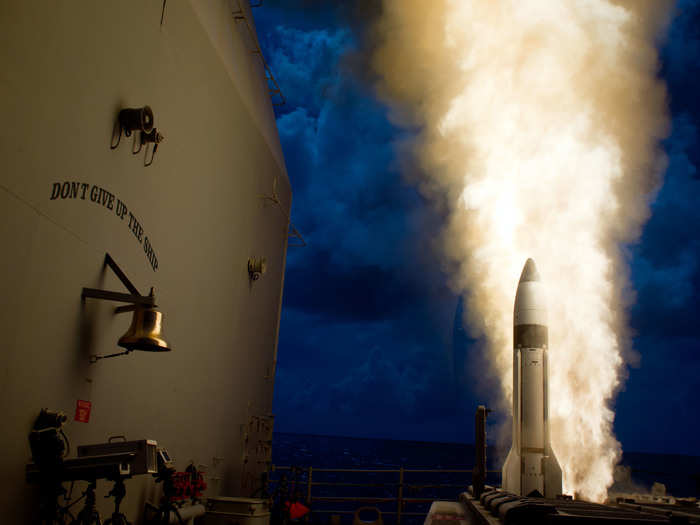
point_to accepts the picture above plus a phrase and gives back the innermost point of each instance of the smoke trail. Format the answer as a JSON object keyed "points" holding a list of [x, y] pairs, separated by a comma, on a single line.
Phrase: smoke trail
{"points": [[539, 123]]}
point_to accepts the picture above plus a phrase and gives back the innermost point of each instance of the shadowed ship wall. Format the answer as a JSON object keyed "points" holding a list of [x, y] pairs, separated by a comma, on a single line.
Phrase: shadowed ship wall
{"points": [[68, 67]]}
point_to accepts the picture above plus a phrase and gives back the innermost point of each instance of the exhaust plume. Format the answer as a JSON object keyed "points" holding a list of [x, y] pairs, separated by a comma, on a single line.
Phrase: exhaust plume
{"points": [[538, 128]]}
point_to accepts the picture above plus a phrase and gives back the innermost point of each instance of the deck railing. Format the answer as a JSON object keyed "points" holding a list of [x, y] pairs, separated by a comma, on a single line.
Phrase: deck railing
{"points": [[397, 485]]}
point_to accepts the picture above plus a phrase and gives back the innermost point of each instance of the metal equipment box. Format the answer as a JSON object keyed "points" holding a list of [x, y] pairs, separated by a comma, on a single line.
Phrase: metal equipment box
{"points": [[241, 511], [145, 452]]}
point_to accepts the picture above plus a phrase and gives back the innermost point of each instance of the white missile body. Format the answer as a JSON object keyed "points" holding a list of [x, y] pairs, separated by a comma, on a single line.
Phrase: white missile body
{"points": [[531, 464]]}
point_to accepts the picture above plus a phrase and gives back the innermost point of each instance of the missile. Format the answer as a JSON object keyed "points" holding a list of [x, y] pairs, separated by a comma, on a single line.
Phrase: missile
{"points": [[531, 468]]}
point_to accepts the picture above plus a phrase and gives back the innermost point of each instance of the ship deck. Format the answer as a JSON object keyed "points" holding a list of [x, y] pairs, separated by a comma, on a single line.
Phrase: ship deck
{"points": [[495, 506], [438, 497]]}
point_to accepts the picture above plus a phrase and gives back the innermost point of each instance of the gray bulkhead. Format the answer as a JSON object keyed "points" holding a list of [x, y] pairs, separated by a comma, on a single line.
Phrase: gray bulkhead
{"points": [[67, 68]]}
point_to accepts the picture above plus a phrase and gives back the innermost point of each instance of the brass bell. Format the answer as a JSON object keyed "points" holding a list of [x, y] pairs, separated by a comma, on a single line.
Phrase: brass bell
{"points": [[145, 332]]}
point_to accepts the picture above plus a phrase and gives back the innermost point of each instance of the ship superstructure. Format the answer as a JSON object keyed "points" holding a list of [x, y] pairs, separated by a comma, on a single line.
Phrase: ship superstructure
{"points": [[205, 225]]}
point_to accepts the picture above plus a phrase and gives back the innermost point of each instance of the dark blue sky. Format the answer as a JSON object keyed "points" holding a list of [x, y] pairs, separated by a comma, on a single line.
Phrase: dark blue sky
{"points": [[369, 343]]}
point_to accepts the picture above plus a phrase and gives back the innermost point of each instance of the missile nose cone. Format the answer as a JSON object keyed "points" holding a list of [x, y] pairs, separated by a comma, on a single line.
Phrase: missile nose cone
{"points": [[530, 272]]}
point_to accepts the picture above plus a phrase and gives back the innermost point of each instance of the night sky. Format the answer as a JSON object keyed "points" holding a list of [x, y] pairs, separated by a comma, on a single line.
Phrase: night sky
{"points": [[371, 341]]}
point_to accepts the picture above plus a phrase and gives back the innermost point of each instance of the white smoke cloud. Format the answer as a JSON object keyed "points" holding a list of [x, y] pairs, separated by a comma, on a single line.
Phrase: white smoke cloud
{"points": [[539, 125]]}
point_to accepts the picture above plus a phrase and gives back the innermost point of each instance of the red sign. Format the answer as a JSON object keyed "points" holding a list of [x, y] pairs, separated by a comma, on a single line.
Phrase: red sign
{"points": [[82, 411]]}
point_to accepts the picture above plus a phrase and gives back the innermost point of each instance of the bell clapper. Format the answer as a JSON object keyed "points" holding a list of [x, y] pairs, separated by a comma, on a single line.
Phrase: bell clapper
{"points": [[94, 358]]}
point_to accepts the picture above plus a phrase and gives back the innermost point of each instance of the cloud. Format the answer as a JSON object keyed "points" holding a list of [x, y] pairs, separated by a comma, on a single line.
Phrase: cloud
{"points": [[374, 397], [657, 410], [339, 153], [366, 338], [301, 60], [665, 264], [665, 270], [681, 65], [360, 292], [366, 323], [350, 201]]}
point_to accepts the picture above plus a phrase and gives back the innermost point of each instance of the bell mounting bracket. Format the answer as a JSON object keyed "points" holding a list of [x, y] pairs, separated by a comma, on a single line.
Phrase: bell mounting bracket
{"points": [[134, 298]]}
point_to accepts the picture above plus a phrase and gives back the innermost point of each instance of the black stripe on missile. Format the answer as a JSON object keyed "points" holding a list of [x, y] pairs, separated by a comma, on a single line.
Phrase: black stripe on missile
{"points": [[529, 335]]}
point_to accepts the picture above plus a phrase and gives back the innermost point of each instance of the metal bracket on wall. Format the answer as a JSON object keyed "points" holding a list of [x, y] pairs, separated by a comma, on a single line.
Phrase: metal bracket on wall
{"points": [[153, 138], [272, 86], [295, 238], [133, 298], [145, 332]]}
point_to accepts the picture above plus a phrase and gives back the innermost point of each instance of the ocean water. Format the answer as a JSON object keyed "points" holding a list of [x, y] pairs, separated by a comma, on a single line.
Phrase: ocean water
{"points": [[335, 451], [680, 474]]}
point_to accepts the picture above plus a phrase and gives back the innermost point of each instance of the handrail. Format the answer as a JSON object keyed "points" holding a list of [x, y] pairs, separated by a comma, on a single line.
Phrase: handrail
{"points": [[429, 470], [400, 484], [273, 87]]}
